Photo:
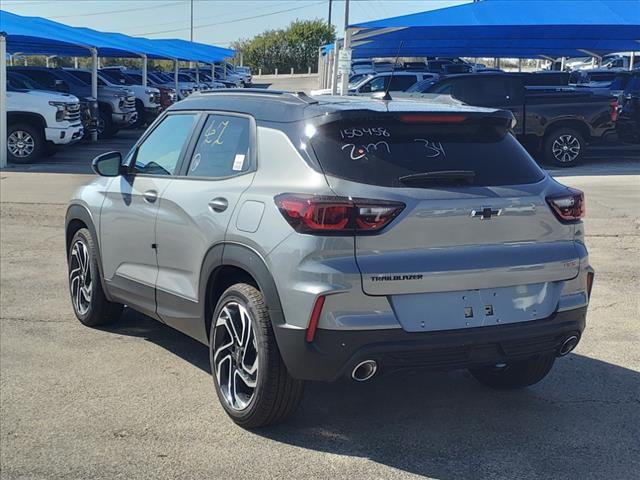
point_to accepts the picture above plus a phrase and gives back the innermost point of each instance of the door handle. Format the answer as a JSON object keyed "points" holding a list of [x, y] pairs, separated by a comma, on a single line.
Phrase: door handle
{"points": [[150, 196], [218, 204]]}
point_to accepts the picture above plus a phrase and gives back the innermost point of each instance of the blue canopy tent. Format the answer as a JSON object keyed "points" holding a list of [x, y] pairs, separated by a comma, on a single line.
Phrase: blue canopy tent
{"points": [[35, 35], [506, 28]]}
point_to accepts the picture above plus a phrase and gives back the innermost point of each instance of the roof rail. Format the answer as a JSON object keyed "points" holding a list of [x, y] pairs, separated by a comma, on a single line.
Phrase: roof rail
{"points": [[301, 96]]}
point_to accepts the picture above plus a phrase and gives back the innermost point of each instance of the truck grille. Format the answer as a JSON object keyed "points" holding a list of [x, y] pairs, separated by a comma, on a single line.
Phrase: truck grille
{"points": [[130, 103], [72, 113]]}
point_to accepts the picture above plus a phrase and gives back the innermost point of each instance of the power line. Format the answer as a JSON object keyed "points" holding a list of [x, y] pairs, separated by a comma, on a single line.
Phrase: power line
{"points": [[235, 20], [119, 11], [183, 21]]}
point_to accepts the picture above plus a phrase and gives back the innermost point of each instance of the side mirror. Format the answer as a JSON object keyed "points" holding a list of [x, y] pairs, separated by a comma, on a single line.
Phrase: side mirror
{"points": [[108, 164], [61, 86]]}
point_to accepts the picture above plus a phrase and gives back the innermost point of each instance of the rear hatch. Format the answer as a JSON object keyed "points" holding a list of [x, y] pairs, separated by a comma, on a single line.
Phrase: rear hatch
{"points": [[476, 242]]}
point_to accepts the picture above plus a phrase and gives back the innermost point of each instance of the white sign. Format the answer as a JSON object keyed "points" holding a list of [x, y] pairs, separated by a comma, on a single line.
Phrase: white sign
{"points": [[344, 62]]}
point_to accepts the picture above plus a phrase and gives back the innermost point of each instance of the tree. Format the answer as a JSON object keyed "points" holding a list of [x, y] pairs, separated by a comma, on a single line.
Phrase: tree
{"points": [[294, 47]]}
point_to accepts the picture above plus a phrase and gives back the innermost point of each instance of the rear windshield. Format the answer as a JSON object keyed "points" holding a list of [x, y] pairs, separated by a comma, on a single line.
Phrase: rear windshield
{"points": [[380, 152]]}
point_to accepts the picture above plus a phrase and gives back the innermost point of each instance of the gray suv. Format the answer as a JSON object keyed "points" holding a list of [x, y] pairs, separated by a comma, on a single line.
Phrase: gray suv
{"points": [[316, 239]]}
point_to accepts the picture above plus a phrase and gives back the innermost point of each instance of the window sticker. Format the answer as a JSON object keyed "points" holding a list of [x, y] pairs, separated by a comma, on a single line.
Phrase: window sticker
{"points": [[238, 162]]}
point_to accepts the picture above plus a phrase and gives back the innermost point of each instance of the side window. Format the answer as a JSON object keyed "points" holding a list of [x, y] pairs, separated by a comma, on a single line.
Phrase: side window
{"points": [[401, 82], [223, 148], [445, 88], [160, 152], [376, 84]]}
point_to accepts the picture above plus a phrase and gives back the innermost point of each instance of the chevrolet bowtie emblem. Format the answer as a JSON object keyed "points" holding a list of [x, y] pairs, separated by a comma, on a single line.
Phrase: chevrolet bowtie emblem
{"points": [[486, 212]]}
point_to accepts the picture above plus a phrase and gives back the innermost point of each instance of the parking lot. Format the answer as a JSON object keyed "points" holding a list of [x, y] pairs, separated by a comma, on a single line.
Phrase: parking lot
{"points": [[137, 401]]}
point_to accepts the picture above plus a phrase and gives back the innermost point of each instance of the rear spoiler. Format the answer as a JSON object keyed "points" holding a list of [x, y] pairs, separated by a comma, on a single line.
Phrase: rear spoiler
{"points": [[445, 116]]}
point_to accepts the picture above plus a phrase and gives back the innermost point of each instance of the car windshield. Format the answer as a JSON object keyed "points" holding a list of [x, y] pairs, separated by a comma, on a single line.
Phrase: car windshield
{"points": [[115, 76], [16, 81]]}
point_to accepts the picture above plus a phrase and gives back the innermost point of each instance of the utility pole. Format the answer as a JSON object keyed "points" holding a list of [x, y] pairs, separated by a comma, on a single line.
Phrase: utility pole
{"points": [[344, 80], [329, 19], [191, 21]]}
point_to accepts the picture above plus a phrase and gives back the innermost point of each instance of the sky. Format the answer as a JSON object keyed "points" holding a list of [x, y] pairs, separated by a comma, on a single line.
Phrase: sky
{"points": [[216, 22]]}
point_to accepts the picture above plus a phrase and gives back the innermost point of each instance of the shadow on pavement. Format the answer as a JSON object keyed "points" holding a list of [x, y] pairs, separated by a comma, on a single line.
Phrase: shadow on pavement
{"points": [[582, 421]]}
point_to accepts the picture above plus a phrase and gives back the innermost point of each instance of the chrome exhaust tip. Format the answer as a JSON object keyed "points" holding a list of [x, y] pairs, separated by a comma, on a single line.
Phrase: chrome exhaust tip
{"points": [[568, 345], [364, 370]]}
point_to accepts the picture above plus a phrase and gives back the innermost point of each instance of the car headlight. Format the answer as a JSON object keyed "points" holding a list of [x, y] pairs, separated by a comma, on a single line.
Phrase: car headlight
{"points": [[61, 110]]}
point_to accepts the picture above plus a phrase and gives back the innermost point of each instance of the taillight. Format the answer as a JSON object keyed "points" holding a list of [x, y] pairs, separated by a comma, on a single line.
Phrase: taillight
{"points": [[327, 215], [568, 208], [614, 109]]}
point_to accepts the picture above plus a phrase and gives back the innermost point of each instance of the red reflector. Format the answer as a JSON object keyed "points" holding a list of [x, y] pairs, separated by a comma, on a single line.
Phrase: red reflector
{"points": [[568, 208], [590, 277], [315, 317], [432, 118], [326, 215], [614, 110]]}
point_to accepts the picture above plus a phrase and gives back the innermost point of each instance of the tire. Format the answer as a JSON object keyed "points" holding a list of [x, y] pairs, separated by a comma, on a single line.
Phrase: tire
{"points": [[564, 147], [91, 308], [271, 394], [25, 143], [141, 120], [105, 125], [514, 375]]}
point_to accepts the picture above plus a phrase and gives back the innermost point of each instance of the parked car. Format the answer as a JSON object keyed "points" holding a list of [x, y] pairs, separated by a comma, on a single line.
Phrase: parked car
{"points": [[116, 105], [204, 78], [38, 120], [559, 122], [167, 94], [385, 66], [104, 89], [245, 74], [316, 239], [453, 68], [362, 67], [89, 109], [186, 85], [397, 81], [148, 103], [616, 60], [547, 78], [628, 124], [612, 81], [421, 66], [227, 73]]}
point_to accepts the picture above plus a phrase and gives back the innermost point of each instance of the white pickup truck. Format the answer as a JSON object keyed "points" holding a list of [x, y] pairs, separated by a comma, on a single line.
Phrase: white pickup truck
{"points": [[37, 120]]}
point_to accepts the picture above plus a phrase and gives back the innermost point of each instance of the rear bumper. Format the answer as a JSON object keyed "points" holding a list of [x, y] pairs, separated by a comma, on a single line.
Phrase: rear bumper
{"points": [[334, 353]]}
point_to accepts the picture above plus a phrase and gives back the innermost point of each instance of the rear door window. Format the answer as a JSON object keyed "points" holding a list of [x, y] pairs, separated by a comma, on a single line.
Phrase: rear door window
{"points": [[223, 148], [379, 152], [400, 83]]}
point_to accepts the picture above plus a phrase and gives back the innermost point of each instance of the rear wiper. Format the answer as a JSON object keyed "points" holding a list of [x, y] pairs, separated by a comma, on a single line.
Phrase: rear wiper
{"points": [[439, 176]]}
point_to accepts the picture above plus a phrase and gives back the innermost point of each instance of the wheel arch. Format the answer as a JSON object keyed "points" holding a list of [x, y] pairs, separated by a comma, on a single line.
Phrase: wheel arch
{"points": [[78, 217], [229, 263], [578, 125], [26, 117]]}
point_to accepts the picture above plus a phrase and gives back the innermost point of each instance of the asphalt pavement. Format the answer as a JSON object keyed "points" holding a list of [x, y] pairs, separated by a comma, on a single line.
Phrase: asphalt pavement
{"points": [[136, 400]]}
